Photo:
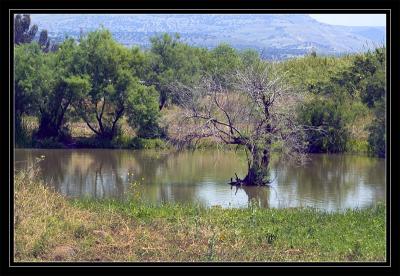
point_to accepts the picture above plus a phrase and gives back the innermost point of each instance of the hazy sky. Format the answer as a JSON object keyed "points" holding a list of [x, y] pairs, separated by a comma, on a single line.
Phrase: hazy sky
{"points": [[352, 19]]}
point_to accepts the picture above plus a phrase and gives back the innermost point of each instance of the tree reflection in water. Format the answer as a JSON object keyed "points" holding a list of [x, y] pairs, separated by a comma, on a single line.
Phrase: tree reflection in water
{"points": [[326, 181], [258, 195]]}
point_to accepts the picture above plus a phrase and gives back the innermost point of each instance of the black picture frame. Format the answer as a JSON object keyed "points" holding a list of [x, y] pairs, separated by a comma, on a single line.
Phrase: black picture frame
{"points": [[390, 7]]}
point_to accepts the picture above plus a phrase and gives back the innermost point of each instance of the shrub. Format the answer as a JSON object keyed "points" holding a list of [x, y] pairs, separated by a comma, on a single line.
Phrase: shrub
{"points": [[328, 116], [140, 143], [377, 138], [357, 146]]}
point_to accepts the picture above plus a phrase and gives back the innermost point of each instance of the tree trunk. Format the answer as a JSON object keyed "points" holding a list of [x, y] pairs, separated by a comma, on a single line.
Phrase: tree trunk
{"points": [[258, 173], [52, 119], [47, 127], [106, 135], [162, 102]]}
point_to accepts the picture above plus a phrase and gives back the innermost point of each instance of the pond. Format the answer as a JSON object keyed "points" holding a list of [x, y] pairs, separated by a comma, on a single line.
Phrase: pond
{"points": [[328, 182]]}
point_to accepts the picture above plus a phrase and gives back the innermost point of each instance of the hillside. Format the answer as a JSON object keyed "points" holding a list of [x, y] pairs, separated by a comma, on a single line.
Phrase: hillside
{"points": [[277, 36]]}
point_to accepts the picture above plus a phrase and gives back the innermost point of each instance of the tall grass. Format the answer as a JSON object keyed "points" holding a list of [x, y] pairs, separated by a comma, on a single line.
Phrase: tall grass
{"points": [[50, 227], [24, 128]]}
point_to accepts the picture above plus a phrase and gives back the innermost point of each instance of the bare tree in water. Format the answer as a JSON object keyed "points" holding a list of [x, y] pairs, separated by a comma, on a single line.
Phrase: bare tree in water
{"points": [[258, 113]]}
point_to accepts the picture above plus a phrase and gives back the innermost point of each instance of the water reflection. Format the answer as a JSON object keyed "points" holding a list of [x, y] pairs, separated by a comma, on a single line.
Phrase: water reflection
{"points": [[326, 181], [332, 180]]}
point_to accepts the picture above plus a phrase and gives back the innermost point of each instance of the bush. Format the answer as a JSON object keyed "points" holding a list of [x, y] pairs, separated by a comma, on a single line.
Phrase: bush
{"points": [[377, 138], [357, 146], [140, 143], [328, 116], [143, 112], [150, 131]]}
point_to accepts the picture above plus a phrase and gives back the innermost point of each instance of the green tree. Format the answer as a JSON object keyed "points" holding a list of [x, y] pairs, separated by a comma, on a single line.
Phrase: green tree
{"points": [[249, 57], [27, 61], [23, 31], [377, 130], [56, 101], [373, 94], [41, 85], [308, 72], [24, 88], [34, 80], [341, 90], [143, 111], [223, 63], [366, 81], [329, 133], [172, 61], [112, 83], [44, 41]]}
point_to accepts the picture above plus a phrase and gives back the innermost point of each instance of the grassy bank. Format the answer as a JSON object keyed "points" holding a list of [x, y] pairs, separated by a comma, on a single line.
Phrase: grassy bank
{"points": [[49, 227]]}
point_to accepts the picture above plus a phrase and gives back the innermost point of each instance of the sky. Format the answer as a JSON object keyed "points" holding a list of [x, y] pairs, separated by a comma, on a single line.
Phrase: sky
{"points": [[351, 19]]}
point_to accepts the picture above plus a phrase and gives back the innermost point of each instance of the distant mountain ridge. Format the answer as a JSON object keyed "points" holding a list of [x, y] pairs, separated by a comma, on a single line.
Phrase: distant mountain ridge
{"points": [[277, 35]]}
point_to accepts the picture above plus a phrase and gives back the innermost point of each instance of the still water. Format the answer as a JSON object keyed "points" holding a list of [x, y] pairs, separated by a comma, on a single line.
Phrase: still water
{"points": [[329, 182]]}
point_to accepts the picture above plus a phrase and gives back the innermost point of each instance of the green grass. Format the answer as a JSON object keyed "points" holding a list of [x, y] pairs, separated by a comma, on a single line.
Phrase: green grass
{"points": [[287, 234], [131, 230]]}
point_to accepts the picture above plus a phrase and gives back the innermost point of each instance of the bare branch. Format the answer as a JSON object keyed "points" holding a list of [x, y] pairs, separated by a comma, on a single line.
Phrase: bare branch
{"points": [[258, 112]]}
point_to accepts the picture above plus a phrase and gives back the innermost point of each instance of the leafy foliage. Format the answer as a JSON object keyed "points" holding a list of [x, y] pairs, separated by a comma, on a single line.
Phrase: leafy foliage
{"points": [[373, 94], [101, 81], [112, 84], [339, 96], [33, 78], [327, 115], [223, 61], [143, 111], [171, 61]]}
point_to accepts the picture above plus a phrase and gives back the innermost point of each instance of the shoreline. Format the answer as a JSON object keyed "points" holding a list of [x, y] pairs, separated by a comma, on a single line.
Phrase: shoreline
{"points": [[50, 227]]}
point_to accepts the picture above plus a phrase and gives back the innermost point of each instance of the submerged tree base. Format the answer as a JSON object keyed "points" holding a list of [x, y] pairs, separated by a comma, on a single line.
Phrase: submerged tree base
{"points": [[251, 179], [246, 182]]}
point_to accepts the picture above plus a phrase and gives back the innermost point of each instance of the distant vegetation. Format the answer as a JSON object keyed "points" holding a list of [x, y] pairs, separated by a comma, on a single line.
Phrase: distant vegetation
{"points": [[119, 94]]}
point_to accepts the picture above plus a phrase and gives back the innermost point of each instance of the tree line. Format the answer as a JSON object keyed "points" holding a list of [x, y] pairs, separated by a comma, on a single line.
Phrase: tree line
{"points": [[309, 103]]}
